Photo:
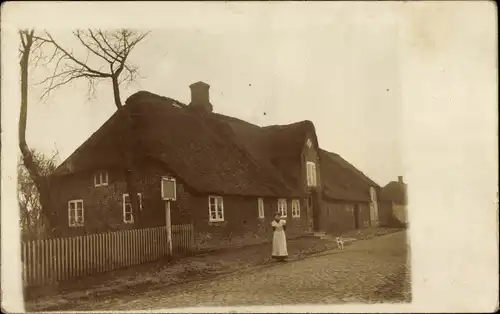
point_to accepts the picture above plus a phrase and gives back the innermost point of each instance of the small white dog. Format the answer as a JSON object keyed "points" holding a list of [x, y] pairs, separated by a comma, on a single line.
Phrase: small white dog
{"points": [[340, 243]]}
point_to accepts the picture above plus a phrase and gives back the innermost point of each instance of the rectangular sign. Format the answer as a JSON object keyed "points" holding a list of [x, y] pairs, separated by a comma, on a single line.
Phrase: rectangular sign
{"points": [[168, 189]]}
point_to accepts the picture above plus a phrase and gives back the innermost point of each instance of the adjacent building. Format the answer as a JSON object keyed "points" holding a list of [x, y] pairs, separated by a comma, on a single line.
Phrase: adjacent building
{"points": [[394, 203]]}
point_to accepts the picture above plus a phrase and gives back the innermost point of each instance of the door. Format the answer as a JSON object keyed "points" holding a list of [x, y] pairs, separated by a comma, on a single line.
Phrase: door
{"points": [[315, 213], [356, 216]]}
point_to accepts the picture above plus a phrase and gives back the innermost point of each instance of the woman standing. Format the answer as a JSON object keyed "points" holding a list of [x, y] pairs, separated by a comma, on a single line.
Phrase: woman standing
{"points": [[280, 252]]}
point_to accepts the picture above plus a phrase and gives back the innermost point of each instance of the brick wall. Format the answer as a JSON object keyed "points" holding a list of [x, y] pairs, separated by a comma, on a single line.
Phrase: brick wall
{"points": [[241, 225], [103, 206], [104, 210], [338, 217], [364, 215]]}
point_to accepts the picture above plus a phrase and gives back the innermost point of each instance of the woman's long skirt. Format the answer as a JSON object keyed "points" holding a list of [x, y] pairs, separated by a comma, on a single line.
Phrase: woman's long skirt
{"points": [[279, 245]]}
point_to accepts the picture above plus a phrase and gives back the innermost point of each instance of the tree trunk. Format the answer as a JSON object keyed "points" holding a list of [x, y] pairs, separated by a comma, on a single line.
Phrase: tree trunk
{"points": [[116, 92], [41, 182]]}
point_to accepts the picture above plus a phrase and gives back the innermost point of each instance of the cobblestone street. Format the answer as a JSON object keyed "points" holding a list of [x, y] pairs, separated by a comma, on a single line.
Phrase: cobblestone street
{"points": [[373, 270]]}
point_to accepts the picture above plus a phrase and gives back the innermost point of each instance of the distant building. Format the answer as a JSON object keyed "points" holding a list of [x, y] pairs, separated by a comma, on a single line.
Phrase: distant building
{"points": [[394, 201]]}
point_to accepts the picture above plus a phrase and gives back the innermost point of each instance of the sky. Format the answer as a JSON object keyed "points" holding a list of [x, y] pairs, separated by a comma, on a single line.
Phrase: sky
{"points": [[343, 76]]}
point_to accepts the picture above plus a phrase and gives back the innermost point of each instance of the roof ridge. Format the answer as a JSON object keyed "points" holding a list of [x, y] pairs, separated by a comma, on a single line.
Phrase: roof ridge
{"points": [[235, 119], [287, 125], [144, 94]]}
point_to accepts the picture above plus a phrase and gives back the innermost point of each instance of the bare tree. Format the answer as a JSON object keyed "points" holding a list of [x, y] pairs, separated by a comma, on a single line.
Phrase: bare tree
{"points": [[112, 50], [29, 44], [32, 220]]}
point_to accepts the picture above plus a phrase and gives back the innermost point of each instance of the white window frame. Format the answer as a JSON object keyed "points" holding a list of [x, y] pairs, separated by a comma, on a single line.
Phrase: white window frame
{"points": [[311, 174], [124, 207], [374, 204], [373, 194], [296, 208], [260, 207], [99, 178], [76, 223], [282, 207], [218, 201]]}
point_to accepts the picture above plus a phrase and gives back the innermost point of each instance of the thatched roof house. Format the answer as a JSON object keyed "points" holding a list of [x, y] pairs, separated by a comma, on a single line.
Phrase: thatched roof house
{"points": [[210, 154]]}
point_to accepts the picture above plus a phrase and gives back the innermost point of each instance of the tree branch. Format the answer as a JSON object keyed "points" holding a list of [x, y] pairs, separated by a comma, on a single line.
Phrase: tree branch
{"points": [[112, 48], [79, 36], [93, 36], [103, 37], [73, 58]]}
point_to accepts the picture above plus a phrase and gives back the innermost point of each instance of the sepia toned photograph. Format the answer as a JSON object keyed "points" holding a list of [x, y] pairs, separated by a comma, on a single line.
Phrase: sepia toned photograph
{"points": [[248, 162]]}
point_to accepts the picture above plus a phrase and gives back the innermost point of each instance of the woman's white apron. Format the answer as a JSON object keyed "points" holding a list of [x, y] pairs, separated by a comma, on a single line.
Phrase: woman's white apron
{"points": [[279, 239]]}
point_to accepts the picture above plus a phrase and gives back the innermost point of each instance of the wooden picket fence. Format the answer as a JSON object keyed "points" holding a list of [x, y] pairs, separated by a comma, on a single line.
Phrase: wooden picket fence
{"points": [[60, 259]]}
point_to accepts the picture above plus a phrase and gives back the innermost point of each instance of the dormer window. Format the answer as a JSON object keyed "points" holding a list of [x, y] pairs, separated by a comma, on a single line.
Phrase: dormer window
{"points": [[101, 178], [311, 173], [309, 143]]}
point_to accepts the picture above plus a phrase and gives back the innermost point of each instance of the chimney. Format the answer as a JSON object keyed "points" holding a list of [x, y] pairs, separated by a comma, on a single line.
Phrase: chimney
{"points": [[400, 179], [200, 97]]}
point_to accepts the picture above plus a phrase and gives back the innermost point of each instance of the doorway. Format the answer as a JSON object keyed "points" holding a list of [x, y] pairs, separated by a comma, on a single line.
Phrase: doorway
{"points": [[315, 214], [356, 216]]}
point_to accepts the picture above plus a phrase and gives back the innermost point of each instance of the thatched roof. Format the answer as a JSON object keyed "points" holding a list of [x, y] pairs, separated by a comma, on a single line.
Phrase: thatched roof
{"points": [[340, 182], [395, 192], [355, 171], [210, 152], [201, 148]]}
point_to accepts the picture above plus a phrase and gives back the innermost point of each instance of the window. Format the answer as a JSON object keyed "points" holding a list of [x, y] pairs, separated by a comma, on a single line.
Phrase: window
{"points": [[296, 208], [373, 194], [311, 173], [373, 204], [75, 213], [128, 213], [282, 207], [260, 205], [215, 208], [101, 178]]}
